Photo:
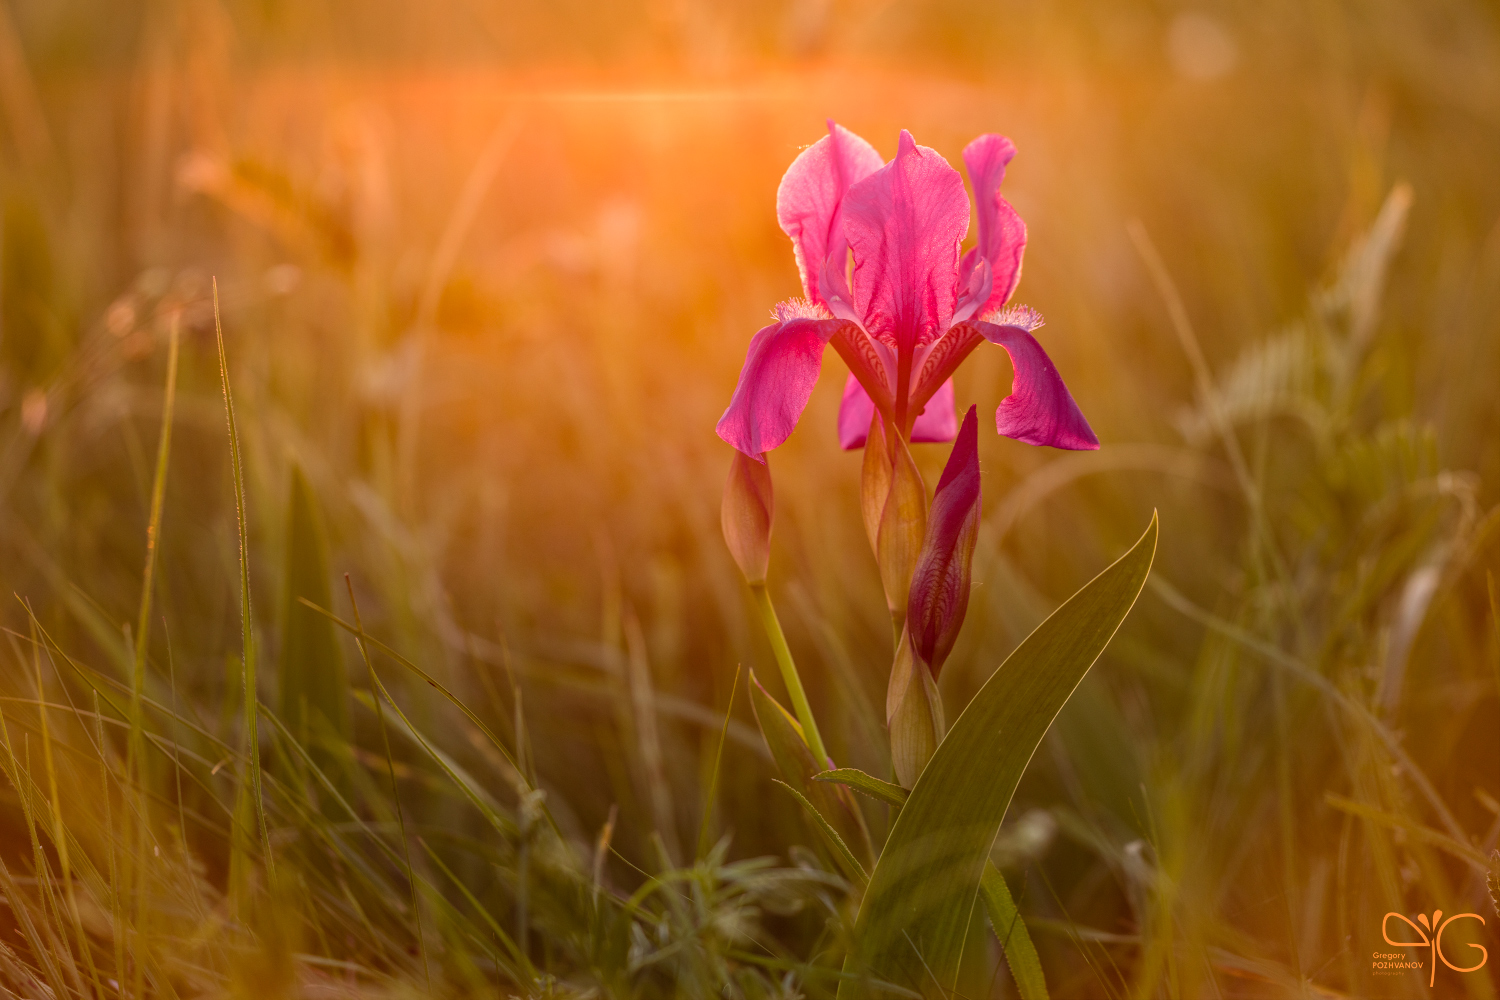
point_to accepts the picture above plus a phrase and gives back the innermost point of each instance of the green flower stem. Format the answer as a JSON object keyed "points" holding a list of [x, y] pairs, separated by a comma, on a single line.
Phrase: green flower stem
{"points": [[789, 674]]}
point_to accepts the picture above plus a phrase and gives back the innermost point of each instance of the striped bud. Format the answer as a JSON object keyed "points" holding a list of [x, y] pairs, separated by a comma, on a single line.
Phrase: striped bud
{"points": [[944, 571]]}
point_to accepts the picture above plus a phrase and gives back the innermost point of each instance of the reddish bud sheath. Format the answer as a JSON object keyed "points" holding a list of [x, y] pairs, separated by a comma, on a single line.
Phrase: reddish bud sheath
{"points": [[940, 583]]}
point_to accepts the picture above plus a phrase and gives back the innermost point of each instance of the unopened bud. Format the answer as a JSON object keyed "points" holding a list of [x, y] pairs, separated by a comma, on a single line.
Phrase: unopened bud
{"points": [[940, 584], [903, 523], [746, 516]]}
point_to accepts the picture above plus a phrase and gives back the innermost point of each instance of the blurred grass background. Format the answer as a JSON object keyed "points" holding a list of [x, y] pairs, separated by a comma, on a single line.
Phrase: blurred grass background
{"points": [[487, 272]]}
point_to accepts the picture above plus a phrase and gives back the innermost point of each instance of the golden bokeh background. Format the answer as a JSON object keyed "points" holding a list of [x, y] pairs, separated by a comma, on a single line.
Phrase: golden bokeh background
{"points": [[487, 271]]}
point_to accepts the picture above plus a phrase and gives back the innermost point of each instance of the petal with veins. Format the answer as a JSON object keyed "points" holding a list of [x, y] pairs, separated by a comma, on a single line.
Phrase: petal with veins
{"points": [[1002, 234], [1039, 409], [808, 203], [904, 223], [780, 371], [940, 583]]}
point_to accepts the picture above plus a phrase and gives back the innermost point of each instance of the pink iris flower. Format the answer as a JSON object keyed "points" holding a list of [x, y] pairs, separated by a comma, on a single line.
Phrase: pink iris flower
{"points": [[910, 310]]}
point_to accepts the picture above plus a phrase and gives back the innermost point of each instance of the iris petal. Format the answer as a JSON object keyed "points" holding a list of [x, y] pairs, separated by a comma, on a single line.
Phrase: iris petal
{"points": [[780, 371], [809, 202], [904, 223], [1002, 234], [1039, 409], [937, 423]]}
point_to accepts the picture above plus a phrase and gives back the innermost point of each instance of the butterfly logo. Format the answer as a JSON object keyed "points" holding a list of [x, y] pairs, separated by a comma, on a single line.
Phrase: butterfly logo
{"points": [[1431, 932]]}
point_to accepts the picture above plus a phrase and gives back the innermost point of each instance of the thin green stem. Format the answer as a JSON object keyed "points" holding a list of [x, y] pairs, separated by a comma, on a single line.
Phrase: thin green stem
{"points": [[713, 781], [789, 675], [247, 632], [136, 770], [153, 537]]}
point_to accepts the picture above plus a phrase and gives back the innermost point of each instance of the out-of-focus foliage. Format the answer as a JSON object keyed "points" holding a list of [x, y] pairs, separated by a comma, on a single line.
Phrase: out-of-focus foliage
{"points": [[487, 271]]}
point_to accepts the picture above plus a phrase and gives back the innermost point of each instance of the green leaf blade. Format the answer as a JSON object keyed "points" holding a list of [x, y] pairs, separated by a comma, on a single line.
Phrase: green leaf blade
{"points": [[916, 911], [314, 684], [852, 777], [829, 802], [1005, 918]]}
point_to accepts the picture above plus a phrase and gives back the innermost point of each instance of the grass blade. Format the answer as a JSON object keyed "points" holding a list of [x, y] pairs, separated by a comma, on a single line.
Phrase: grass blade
{"points": [[713, 781], [153, 539], [247, 641], [312, 680], [370, 642], [794, 760], [59, 830], [882, 791], [831, 835], [1005, 918], [378, 689]]}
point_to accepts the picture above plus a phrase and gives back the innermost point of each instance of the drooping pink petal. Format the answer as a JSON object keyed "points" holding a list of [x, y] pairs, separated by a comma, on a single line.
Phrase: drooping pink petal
{"points": [[940, 584], [780, 371], [1002, 234], [1039, 409], [809, 200], [936, 424], [904, 223]]}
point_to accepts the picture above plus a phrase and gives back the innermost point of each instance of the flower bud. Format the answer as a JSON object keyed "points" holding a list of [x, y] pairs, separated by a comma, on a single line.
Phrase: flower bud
{"points": [[746, 515], [903, 523], [944, 571], [914, 713]]}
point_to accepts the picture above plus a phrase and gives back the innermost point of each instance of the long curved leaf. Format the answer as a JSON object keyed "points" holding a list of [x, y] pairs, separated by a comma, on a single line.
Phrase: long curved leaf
{"points": [[916, 911]]}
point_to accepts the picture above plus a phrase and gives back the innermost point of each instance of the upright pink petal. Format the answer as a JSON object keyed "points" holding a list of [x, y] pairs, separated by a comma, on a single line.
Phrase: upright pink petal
{"points": [[940, 584], [1039, 409], [936, 424], [780, 371], [1002, 234], [809, 200], [904, 223]]}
